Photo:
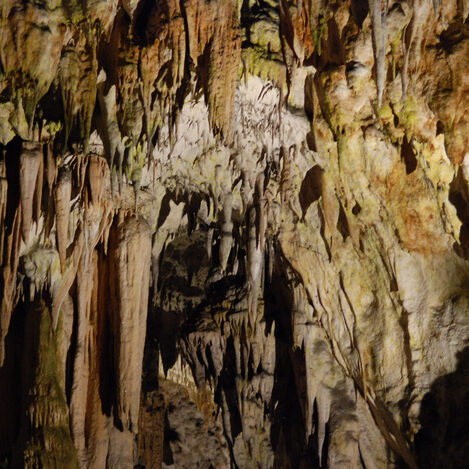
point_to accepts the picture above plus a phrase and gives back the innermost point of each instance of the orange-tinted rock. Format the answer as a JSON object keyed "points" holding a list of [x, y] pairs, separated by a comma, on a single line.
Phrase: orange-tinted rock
{"points": [[30, 163], [32, 39], [215, 49], [348, 180], [129, 257], [63, 193]]}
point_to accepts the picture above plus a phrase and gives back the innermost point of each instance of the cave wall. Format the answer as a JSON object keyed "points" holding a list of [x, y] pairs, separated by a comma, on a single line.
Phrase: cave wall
{"points": [[234, 233]]}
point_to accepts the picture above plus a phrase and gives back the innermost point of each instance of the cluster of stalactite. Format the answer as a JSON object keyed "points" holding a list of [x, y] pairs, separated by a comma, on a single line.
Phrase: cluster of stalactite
{"points": [[270, 186], [74, 310], [76, 247]]}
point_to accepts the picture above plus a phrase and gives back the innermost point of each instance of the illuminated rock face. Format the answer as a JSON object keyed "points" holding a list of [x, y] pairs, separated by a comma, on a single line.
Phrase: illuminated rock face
{"points": [[234, 234]]}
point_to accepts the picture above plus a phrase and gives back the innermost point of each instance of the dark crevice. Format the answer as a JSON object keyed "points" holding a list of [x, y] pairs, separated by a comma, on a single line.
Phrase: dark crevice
{"points": [[227, 386], [356, 209], [289, 393], [11, 383], [408, 155], [407, 401], [311, 188], [359, 11], [442, 441], [458, 197], [169, 435], [342, 223]]}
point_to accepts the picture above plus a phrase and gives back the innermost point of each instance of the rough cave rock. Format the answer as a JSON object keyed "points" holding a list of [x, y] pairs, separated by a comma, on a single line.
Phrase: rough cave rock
{"points": [[234, 234]]}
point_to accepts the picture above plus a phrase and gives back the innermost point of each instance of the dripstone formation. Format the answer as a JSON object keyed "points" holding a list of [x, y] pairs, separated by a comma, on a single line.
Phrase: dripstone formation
{"points": [[234, 234]]}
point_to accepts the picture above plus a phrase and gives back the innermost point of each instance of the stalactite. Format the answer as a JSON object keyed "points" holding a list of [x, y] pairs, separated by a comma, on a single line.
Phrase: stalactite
{"points": [[3, 208], [217, 59], [409, 30], [51, 168], [38, 189], [378, 21], [209, 242], [262, 215], [97, 167], [109, 128], [81, 362], [62, 196], [64, 333], [323, 403], [69, 74], [271, 254], [61, 290], [130, 254], [255, 256], [30, 163], [172, 136], [9, 272], [226, 227], [311, 384], [285, 177], [246, 191]]}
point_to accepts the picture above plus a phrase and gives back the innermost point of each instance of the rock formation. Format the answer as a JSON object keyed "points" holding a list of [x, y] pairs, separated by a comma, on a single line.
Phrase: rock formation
{"points": [[234, 233]]}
